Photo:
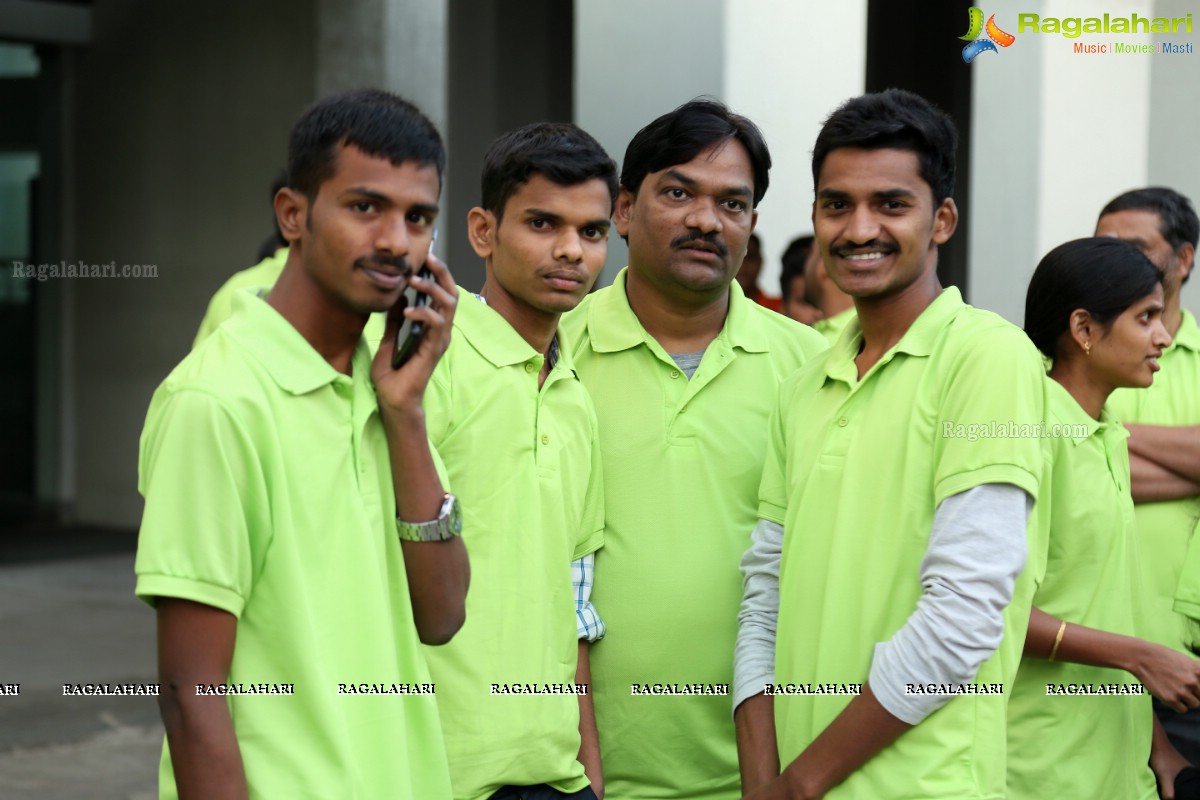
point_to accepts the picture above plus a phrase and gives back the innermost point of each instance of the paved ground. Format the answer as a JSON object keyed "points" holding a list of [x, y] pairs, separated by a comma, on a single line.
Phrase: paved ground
{"points": [[75, 621]]}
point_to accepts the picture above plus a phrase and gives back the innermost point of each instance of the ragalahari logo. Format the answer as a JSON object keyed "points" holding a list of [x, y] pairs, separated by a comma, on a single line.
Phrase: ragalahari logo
{"points": [[978, 45]]}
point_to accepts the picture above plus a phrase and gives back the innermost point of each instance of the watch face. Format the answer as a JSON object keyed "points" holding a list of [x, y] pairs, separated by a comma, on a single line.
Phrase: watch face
{"points": [[453, 514]]}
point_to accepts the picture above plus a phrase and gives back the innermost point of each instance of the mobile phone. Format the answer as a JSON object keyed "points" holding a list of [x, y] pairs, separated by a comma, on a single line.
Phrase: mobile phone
{"points": [[408, 335]]}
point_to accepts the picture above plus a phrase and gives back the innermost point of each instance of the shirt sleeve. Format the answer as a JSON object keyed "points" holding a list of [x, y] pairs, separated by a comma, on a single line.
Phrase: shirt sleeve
{"points": [[591, 524], [754, 653], [589, 625], [206, 524], [976, 550]]}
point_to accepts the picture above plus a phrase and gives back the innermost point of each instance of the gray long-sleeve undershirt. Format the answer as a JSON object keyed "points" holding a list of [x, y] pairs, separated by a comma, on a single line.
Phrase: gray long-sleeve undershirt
{"points": [[976, 550]]}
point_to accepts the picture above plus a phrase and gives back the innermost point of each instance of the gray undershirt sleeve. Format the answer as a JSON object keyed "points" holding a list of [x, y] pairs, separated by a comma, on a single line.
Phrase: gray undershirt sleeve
{"points": [[976, 550], [754, 653]]}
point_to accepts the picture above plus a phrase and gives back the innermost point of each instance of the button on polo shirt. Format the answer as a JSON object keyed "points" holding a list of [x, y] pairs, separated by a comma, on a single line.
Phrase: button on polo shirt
{"points": [[269, 495], [857, 500], [1089, 575], [1166, 531], [526, 465], [682, 461]]}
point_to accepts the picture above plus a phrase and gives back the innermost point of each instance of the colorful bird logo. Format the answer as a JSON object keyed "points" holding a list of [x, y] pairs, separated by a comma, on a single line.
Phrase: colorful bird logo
{"points": [[994, 37]]}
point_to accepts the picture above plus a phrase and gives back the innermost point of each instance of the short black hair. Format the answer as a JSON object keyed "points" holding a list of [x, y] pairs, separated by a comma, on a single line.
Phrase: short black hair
{"points": [[1101, 275], [794, 257], [559, 151], [680, 135], [1177, 220], [380, 124], [899, 120]]}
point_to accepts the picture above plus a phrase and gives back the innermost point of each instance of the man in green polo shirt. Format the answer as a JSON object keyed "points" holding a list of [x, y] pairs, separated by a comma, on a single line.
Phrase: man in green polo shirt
{"points": [[1164, 437], [883, 576], [518, 433], [297, 542], [682, 368]]}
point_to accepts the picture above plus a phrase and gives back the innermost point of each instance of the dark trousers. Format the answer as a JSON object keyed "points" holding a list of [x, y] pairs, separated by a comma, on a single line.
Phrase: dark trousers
{"points": [[1182, 729], [542, 792]]}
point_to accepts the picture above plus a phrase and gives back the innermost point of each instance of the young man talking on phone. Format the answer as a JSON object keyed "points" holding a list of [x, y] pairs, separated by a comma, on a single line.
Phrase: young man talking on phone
{"points": [[297, 542], [519, 437]]}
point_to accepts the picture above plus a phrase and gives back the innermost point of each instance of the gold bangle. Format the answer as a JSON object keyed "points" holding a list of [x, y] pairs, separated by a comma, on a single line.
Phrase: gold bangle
{"points": [[1058, 640]]}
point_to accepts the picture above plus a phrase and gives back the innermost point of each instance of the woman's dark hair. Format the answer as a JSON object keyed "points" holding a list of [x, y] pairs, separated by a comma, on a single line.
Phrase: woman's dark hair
{"points": [[1101, 275]]}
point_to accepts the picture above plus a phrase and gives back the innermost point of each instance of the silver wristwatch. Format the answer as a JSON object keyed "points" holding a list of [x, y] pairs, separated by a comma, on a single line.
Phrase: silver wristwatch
{"points": [[448, 524]]}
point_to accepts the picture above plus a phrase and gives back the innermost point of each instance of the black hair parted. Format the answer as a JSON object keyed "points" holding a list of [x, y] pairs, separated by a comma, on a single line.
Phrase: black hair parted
{"points": [[379, 123], [1101, 275], [563, 153], [894, 119], [1178, 222], [680, 135]]}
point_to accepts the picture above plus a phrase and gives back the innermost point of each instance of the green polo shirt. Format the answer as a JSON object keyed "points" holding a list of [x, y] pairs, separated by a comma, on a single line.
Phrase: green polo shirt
{"points": [[1072, 745], [260, 278], [855, 471], [1166, 530], [832, 327], [269, 495], [526, 465], [682, 460]]}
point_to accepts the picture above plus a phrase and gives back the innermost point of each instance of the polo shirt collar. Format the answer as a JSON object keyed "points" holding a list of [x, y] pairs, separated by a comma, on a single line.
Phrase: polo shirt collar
{"points": [[918, 340], [1188, 335], [612, 325], [489, 333], [1067, 411], [285, 354]]}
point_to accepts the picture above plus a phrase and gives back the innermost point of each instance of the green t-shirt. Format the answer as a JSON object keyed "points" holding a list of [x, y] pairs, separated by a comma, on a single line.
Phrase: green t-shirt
{"points": [[1166, 531], [526, 465], [259, 279], [855, 471], [682, 460], [269, 495], [1070, 745], [832, 327]]}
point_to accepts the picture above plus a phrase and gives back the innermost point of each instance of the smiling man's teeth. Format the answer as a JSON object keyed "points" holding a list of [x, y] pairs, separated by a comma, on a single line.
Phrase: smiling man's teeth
{"points": [[863, 256]]}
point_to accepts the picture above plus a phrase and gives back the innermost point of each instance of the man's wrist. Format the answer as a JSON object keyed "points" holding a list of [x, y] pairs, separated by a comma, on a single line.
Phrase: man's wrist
{"points": [[447, 525]]}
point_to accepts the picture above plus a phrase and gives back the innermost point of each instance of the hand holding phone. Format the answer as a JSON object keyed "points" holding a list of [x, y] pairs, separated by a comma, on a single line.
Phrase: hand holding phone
{"points": [[409, 332]]}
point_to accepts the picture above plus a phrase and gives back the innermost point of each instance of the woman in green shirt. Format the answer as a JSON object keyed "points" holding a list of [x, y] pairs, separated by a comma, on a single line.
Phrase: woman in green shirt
{"points": [[1078, 725]]}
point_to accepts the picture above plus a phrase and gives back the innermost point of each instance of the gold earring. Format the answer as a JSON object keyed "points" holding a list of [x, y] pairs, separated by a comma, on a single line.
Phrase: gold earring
{"points": [[1087, 348]]}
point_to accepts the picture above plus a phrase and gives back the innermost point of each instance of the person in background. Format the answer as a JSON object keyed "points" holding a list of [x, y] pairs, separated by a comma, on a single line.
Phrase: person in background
{"points": [[747, 276], [1164, 436], [836, 307], [792, 279], [1094, 308]]}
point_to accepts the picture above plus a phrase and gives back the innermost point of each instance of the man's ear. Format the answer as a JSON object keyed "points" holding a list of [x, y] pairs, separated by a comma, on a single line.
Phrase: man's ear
{"points": [[945, 221], [623, 211], [1186, 256], [291, 213], [481, 230]]}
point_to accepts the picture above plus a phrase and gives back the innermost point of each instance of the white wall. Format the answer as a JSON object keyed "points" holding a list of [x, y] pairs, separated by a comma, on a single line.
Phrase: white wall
{"points": [[768, 59], [1058, 134]]}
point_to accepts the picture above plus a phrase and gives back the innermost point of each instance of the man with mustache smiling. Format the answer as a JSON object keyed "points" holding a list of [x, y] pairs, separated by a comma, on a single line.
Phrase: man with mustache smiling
{"points": [[518, 435], [683, 369], [887, 551]]}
